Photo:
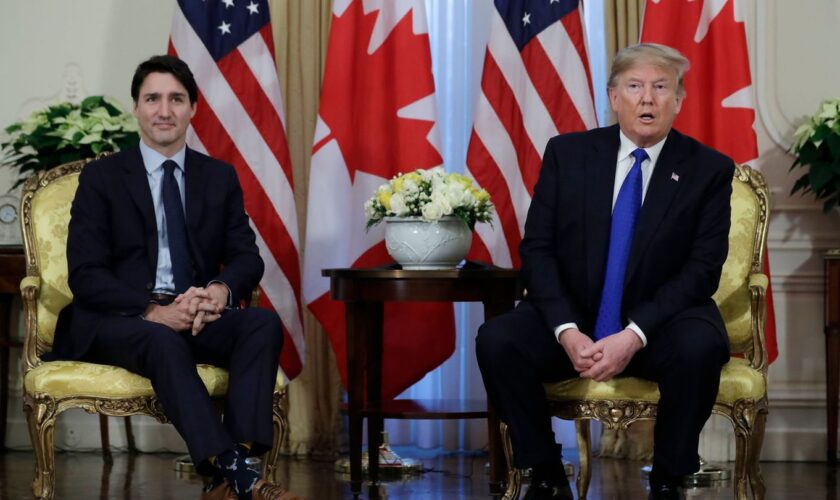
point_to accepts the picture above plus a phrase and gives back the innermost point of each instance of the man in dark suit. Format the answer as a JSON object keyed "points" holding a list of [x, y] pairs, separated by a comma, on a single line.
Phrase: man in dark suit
{"points": [[159, 255], [624, 243]]}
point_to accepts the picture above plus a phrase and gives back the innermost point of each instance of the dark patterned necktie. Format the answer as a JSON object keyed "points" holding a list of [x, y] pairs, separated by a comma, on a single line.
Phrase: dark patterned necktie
{"points": [[176, 228], [626, 210]]}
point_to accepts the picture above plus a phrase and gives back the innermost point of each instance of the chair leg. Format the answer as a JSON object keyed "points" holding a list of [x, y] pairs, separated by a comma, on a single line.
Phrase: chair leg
{"points": [[106, 441], [129, 436], [40, 419], [584, 440], [743, 436], [756, 479], [514, 475], [281, 430]]}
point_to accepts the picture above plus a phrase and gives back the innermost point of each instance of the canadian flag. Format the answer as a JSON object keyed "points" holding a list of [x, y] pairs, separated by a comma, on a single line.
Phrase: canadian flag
{"points": [[719, 108], [376, 119]]}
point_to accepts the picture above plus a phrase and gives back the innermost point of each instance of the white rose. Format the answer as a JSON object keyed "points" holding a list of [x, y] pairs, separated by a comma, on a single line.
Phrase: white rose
{"points": [[398, 205], [440, 199], [432, 211], [370, 211], [455, 194], [410, 186]]}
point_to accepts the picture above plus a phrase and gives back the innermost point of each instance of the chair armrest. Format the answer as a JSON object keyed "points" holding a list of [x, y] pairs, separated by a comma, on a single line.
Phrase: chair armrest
{"points": [[30, 288], [758, 283], [30, 284], [759, 280]]}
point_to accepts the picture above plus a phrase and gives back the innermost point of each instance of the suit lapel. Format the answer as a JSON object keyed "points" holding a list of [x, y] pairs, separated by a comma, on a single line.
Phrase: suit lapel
{"points": [[599, 180], [137, 183], [664, 184], [195, 178]]}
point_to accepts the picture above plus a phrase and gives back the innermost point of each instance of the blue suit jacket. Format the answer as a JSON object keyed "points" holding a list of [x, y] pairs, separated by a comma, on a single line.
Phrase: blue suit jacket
{"points": [[112, 242], [679, 245]]}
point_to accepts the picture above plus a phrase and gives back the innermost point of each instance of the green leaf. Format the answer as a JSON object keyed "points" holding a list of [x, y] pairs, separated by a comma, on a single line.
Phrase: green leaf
{"points": [[91, 102], [801, 184], [820, 175], [833, 141], [808, 154]]}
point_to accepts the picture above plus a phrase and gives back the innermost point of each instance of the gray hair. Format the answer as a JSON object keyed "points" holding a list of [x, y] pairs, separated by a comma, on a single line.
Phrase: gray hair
{"points": [[653, 53]]}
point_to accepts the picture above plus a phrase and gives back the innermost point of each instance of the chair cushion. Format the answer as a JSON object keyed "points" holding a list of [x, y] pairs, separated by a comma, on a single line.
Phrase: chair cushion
{"points": [[62, 379], [737, 381]]}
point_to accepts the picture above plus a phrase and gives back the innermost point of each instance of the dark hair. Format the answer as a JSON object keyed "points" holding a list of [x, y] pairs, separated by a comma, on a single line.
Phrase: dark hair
{"points": [[164, 64]]}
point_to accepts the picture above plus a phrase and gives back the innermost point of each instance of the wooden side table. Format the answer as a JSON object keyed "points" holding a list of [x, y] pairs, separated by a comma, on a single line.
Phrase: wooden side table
{"points": [[364, 292], [12, 270], [832, 347]]}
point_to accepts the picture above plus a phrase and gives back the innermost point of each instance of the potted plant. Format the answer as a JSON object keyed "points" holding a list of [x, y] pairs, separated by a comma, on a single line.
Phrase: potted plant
{"points": [[429, 216], [65, 132], [817, 149]]}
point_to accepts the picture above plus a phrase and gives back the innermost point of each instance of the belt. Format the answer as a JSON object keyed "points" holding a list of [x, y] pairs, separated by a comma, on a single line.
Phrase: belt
{"points": [[163, 299]]}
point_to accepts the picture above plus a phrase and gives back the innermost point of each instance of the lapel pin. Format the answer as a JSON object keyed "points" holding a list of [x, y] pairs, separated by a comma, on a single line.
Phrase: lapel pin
{"points": [[675, 177]]}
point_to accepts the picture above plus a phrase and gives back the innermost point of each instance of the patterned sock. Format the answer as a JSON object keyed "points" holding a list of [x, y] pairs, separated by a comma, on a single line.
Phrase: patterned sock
{"points": [[241, 477]]}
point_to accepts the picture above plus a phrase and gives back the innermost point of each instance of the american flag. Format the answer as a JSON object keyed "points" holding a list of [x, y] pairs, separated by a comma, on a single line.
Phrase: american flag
{"points": [[239, 119], [535, 85]]}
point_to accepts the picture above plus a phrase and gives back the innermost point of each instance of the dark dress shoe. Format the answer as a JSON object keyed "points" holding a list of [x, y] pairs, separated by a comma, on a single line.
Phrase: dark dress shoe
{"points": [[545, 490], [666, 492]]}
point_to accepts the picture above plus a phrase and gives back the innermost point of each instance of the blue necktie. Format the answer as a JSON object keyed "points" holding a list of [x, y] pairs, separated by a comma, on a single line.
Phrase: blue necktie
{"points": [[176, 228], [624, 215]]}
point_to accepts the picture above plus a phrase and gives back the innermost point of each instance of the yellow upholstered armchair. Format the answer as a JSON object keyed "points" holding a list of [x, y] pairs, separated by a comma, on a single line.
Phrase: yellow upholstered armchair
{"points": [[49, 388], [742, 397]]}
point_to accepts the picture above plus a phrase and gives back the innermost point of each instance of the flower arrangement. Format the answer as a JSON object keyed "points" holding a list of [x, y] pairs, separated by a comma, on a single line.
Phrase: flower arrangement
{"points": [[430, 195], [817, 148], [67, 132]]}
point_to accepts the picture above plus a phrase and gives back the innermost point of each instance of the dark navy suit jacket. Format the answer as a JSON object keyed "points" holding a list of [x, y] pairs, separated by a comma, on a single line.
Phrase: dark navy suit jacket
{"points": [[112, 242], [679, 245]]}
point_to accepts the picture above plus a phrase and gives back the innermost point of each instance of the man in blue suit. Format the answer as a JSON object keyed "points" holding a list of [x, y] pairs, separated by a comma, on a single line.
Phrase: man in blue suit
{"points": [[624, 244], [160, 254]]}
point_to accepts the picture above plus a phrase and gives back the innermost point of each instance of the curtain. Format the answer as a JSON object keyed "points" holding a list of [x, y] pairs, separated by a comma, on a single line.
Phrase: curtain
{"points": [[622, 24], [301, 30]]}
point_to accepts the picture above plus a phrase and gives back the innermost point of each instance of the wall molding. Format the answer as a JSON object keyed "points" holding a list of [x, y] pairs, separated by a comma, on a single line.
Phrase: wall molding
{"points": [[765, 83]]}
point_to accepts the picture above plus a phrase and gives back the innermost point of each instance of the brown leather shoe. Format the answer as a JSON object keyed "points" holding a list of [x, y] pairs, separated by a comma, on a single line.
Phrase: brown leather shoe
{"points": [[268, 491], [220, 492]]}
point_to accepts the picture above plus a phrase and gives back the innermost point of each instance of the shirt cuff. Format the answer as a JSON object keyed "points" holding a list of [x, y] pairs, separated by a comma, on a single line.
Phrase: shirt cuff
{"points": [[638, 331], [560, 329], [230, 295]]}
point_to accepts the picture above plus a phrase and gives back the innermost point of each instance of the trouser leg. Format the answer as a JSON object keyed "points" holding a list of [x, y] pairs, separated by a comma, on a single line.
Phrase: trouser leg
{"points": [[247, 342], [165, 358], [516, 354], [685, 358]]}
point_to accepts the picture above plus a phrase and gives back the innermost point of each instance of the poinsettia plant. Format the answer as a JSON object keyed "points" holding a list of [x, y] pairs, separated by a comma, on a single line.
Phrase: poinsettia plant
{"points": [[65, 132], [430, 195], [817, 149]]}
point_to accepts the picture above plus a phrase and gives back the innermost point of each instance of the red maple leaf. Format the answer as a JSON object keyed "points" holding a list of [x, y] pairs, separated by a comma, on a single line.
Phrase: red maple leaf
{"points": [[720, 68], [363, 92]]}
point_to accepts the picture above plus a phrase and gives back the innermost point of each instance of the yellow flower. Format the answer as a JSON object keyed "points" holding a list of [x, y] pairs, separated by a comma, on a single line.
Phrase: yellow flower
{"points": [[384, 196], [482, 195]]}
